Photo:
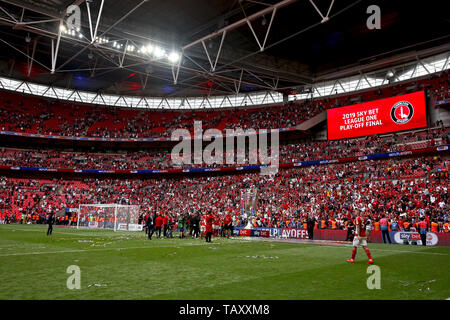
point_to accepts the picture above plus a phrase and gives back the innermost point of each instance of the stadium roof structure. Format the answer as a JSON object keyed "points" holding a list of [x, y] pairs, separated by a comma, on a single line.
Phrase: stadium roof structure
{"points": [[197, 48]]}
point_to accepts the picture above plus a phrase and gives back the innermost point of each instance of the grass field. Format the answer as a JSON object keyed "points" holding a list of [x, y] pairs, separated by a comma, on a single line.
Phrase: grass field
{"points": [[125, 265]]}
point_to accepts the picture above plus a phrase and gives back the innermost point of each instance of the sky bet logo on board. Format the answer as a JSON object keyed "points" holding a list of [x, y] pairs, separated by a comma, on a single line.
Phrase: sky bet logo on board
{"points": [[402, 112], [405, 236]]}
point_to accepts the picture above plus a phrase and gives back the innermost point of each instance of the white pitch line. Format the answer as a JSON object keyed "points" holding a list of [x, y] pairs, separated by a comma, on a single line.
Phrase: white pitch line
{"points": [[94, 250], [59, 232], [238, 240], [344, 246], [398, 251], [112, 249], [421, 252]]}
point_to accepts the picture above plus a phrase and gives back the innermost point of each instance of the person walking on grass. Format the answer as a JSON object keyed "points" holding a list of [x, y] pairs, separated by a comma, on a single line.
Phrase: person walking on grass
{"points": [[50, 221], [423, 228], [159, 221], [384, 225], [195, 225], [360, 238], [209, 226], [181, 225], [149, 224]]}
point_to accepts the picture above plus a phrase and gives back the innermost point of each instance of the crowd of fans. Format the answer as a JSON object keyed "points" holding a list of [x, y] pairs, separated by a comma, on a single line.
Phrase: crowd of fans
{"points": [[32, 115], [40, 116], [401, 188], [317, 150]]}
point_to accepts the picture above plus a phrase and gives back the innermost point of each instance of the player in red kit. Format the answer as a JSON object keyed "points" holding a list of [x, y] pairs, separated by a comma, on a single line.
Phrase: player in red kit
{"points": [[209, 226], [228, 225], [360, 237]]}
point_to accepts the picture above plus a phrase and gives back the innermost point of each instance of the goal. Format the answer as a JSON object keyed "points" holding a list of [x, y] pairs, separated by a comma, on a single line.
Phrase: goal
{"points": [[109, 216]]}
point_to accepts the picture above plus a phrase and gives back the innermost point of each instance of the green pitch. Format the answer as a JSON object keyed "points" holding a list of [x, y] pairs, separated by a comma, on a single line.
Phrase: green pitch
{"points": [[125, 265]]}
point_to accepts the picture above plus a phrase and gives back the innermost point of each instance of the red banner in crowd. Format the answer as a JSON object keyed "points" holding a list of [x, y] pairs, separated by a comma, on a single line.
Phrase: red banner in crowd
{"points": [[399, 113]]}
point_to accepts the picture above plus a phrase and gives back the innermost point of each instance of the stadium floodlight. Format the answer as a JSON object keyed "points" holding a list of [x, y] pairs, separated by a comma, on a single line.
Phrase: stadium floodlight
{"points": [[173, 57], [158, 52], [149, 48], [62, 28]]}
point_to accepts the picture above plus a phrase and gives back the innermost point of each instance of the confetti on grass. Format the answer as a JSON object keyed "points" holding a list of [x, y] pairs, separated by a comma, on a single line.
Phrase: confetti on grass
{"points": [[263, 257], [97, 285], [419, 283]]}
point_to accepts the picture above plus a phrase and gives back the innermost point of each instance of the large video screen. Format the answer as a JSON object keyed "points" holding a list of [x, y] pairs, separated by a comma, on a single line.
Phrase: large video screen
{"points": [[399, 113]]}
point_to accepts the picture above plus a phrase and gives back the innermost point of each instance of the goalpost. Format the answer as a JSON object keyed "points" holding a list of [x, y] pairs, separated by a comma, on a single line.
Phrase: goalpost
{"points": [[109, 216]]}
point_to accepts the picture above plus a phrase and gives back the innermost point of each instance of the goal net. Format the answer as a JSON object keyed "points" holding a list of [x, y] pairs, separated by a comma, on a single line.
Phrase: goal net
{"points": [[109, 216]]}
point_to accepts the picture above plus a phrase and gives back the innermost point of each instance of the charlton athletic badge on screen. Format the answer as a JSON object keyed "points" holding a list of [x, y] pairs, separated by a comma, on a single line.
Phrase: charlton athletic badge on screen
{"points": [[402, 112]]}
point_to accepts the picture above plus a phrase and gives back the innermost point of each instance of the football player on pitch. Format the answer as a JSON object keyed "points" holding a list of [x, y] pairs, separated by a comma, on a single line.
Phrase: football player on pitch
{"points": [[360, 237]]}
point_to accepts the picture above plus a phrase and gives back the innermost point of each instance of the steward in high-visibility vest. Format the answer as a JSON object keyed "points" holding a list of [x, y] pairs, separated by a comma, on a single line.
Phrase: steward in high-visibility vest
{"points": [[406, 225], [446, 226], [323, 224], [434, 227], [376, 226], [423, 231], [333, 224]]}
